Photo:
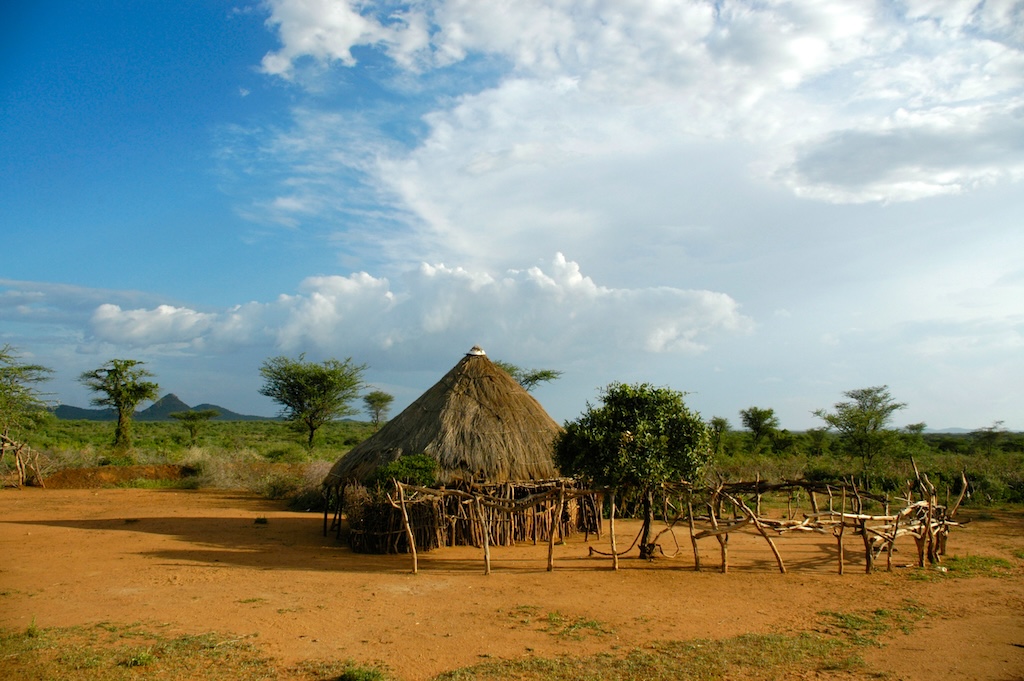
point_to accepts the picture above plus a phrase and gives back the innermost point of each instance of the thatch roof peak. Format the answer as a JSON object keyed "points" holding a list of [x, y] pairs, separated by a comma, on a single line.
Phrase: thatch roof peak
{"points": [[477, 422]]}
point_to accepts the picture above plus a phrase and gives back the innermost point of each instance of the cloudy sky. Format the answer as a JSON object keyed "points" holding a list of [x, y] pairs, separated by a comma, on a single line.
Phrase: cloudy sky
{"points": [[762, 203]]}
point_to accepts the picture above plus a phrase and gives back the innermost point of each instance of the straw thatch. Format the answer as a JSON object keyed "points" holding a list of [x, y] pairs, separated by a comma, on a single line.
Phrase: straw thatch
{"points": [[477, 422]]}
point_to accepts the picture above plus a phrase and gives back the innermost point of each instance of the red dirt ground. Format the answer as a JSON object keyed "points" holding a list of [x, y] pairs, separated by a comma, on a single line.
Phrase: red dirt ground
{"points": [[198, 561]]}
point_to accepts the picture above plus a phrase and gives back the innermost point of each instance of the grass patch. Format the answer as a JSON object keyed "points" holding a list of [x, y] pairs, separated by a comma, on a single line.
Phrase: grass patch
{"points": [[136, 651], [1018, 553], [573, 627], [557, 624], [964, 567], [864, 628], [755, 657]]}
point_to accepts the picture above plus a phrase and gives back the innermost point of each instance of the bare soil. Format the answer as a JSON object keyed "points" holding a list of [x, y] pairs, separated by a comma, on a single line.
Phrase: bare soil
{"points": [[198, 561]]}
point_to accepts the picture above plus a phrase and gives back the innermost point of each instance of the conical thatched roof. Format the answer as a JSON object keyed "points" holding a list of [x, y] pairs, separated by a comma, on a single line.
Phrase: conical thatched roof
{"points": [[477, 422]]}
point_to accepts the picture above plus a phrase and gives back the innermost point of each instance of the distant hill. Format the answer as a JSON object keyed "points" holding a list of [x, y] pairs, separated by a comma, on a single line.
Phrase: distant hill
{"points": [[158, 411]]}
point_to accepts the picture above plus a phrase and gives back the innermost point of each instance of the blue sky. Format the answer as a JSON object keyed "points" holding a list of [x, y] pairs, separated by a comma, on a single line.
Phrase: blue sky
{"points": [[762, 204]]}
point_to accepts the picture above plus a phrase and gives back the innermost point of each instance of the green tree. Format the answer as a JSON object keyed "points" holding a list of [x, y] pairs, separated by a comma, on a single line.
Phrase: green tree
{"points": [[528, 378], [193, 420], [22, 406], [122, 386], [718, 428], [640, 437], [989, 437], [311, 393], [378, 403], [861, 423], [817, 441], [761, 423]]}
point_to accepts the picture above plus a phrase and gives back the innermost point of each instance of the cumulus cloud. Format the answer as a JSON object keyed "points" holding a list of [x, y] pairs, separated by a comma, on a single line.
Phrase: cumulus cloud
{"points": [[439, 306]]}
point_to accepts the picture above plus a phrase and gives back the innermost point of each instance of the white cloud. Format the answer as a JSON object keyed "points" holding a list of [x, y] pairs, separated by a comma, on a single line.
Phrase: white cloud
{"points": [[599, 103], [161, 325], [441, 306]]}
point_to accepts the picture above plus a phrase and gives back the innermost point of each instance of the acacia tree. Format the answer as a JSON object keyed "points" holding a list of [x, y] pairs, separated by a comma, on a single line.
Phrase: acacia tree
{"points": [[312, 393], [122, 386], [378, 403], [718, 428], [528, 378], [760, 422], [861, 423], [192, 420], [21, 405], [640, 437]]}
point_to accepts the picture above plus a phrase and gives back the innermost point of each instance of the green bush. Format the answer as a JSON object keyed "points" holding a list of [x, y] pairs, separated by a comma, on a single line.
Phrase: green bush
{"points": [[415, 469]]}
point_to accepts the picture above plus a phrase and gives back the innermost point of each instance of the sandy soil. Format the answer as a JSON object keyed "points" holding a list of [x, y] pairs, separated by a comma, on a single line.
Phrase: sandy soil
{"points": [[199, 561]]}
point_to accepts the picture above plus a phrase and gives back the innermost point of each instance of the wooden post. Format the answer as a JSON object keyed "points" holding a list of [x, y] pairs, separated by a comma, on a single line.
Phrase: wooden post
{"points": [[611, 531], [842, 528], [892, 543], [486, 537], [757, 500], [558, 521], [869, 562], [408, 528], [714, 508], [693, 535]]}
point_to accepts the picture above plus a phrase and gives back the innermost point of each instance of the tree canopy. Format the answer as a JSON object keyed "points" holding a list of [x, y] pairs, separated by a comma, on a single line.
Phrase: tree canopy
{"points": [[761, 422], [22, 407], [378, 403], [861, 422], [21, 404], [192, 420], [528, 378], [312, 393], [640, 437], [121, 385]]}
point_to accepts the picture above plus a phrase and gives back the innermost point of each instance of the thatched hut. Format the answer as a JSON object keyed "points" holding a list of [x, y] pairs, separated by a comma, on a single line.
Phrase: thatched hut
{"points": [[477, 422], [486, 432]]}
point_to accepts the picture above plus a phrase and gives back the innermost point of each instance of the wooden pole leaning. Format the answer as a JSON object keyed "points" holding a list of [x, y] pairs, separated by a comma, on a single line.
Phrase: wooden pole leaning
{"points": [[408, 528]]}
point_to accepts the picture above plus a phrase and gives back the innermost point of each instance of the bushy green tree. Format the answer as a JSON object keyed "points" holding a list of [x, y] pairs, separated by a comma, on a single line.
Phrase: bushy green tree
{"points": [[638, 438], [312, 393], [862, 424], [718, 428], [378, 403], [22, 406], [122, 386], [761, 422], [193, 420]]}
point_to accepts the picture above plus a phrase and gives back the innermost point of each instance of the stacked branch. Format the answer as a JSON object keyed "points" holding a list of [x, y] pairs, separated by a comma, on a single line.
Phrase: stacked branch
{"points": [[411, 518], [26, 459]]}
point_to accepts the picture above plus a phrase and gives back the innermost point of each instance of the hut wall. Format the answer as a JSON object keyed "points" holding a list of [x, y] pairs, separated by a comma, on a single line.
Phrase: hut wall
{"points": [[451, 520]]}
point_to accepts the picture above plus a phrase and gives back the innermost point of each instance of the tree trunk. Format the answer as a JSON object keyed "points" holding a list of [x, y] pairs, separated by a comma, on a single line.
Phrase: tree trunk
{"points": [[646, 546], [123, 432]]}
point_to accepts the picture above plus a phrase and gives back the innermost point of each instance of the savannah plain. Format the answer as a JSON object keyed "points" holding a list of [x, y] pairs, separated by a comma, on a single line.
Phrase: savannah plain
{"points": [[174, 583]]}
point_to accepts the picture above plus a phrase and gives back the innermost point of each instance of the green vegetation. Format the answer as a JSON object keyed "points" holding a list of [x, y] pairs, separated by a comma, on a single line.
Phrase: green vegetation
{"points": [[378, 403], [22, 408], [193, 420], [259, 456], [639, 438], [528, 378], [753, 656], [135, 651], [860, 443], [965, 567], [312, 394], [414, 469], [120, 384]]}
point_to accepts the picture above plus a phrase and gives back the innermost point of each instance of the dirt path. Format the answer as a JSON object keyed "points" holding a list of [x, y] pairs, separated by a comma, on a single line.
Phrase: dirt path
{"points": [[199, 561]]}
